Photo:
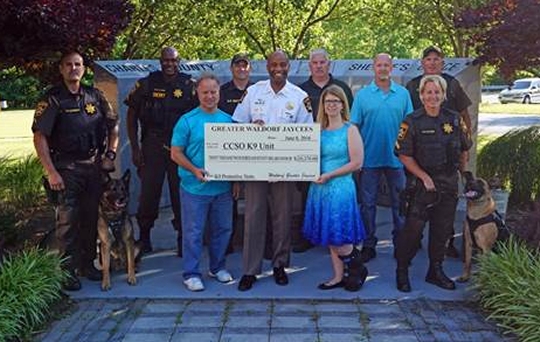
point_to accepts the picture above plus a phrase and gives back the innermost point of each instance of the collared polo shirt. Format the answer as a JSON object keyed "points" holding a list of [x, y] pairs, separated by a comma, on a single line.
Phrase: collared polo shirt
{"points": [[378, 116], [289, 105], [189, 134], [456, 98], [314, 91], [230, 96]]}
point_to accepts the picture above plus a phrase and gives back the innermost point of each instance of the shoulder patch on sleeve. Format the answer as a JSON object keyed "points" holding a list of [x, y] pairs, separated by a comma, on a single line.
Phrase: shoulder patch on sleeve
{"points": [[307, 104], [40, 108], [403, 129]]}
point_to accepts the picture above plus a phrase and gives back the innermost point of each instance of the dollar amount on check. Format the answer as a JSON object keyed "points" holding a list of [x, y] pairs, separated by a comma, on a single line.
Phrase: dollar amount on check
{"points": [[249, 152]]}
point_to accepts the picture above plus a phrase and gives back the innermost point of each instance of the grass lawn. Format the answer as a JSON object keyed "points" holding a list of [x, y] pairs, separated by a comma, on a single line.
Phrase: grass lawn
{"points": [[514, 108], [15, 133]]}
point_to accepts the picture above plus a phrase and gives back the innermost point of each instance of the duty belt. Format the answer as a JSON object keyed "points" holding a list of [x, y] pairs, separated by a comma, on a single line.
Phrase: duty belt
{"points": [[444, 169], [81, 158]]}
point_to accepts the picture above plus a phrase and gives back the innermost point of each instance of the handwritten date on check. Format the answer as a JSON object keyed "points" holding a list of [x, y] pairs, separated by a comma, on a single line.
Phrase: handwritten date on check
{"points": [[250, 152]]}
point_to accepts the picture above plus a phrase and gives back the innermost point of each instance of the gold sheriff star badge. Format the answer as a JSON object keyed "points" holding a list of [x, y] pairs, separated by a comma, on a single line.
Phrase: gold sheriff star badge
{"points": [[177, 93], [90, 109], [447, 128]]}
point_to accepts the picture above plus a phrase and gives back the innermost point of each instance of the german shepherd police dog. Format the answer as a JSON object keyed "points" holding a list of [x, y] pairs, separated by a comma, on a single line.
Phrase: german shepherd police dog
{"points": [[481, 226], [115, 231]]}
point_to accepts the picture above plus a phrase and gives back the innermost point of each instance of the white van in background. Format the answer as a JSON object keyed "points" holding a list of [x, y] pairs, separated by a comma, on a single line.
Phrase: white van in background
{"points": [[524, 90]]}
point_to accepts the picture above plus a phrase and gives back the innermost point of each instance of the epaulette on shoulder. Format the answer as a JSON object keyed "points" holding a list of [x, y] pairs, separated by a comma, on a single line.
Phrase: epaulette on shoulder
{"points": [[54, 90], [416, 114], [184, 76]]}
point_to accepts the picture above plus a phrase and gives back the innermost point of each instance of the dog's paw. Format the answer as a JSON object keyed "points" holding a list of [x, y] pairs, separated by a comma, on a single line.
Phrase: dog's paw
{"points": [[132, 281], [463, 279], [105, 286]]}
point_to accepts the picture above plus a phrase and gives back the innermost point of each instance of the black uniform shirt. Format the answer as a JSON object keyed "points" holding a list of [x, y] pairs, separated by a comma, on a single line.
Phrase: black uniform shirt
{"points": [[230, 96], [456, 99], [159, 104], [74, 123], [435, 143], [426, 138], [314, 92]]}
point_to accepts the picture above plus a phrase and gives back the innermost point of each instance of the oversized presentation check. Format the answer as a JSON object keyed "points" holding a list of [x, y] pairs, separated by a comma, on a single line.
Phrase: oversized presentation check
{"points": [[250, 152]]}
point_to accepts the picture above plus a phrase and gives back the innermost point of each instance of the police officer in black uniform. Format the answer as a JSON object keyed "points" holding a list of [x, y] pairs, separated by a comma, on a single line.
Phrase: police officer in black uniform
{"points": [[431, 144], [156, 103], [456, 100], [231, 93], [75, 134]]}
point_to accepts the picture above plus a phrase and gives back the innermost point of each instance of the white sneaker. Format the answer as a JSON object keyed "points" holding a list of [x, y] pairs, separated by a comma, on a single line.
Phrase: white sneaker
{"points": [[194, 284], [223, 276]]}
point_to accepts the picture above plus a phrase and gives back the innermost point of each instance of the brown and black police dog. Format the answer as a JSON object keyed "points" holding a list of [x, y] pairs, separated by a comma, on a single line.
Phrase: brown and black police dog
{"points": [[115, 231], [481, 224]]}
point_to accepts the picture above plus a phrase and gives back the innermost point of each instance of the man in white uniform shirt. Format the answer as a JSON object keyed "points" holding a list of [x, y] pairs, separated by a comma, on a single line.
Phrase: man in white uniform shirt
{"points": [[270, 102]]}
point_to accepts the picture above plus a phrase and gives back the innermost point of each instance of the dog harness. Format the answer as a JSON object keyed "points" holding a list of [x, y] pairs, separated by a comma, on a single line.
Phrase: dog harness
{"points": [[502, 229], [115, 226], [493, 217]]}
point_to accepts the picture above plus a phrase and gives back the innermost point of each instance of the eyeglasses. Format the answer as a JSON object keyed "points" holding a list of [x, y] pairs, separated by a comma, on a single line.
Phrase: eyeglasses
{"points": [[329, 102]]}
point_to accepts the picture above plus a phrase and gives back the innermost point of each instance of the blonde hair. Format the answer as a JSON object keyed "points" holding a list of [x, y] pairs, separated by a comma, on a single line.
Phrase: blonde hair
{"points": [[438, 80], [335, 90]]}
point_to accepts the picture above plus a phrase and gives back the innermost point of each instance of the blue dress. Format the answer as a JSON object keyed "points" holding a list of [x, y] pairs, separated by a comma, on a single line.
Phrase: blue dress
{"points": [[332, 216]]}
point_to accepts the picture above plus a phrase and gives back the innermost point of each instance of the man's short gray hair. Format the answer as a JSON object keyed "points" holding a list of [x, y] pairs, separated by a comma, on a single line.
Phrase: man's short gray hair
{"points": [[316, 52]]}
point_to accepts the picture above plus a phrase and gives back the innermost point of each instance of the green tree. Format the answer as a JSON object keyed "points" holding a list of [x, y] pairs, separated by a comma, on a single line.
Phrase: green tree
{"points": [[401, 28], [209, 29]]}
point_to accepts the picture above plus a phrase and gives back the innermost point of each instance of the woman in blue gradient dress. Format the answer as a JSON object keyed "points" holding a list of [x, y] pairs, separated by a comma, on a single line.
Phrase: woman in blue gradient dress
{"points": [[332, 217]]}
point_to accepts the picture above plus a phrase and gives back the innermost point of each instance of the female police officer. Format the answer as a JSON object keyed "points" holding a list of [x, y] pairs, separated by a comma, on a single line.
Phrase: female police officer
{"points": [[432, 144]]}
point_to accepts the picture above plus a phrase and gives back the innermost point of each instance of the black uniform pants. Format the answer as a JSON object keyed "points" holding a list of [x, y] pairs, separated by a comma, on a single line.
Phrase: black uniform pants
{"points": [[77, 213], [157, 164], [441, 222]]}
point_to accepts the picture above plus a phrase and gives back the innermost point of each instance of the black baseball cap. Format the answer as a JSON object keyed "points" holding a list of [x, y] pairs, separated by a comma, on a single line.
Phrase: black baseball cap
{"points": [[240, 57], [431, 49]]}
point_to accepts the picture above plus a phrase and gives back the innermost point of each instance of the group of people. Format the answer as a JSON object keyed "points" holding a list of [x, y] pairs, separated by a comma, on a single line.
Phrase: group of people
{"points": [[418, 145]]}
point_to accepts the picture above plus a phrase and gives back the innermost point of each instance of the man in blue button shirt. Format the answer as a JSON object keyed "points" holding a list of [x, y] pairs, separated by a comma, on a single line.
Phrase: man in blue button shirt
{"points": [[378, 110]]}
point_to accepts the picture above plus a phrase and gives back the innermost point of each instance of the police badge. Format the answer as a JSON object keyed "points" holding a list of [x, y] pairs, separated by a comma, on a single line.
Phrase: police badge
{"points": [[90, 109]]}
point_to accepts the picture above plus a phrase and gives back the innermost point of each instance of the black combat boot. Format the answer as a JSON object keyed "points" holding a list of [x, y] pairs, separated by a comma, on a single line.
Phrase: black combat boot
{"points": [[71, 283], [354, 271], [402, 279], [144, 240], [437, 277]]}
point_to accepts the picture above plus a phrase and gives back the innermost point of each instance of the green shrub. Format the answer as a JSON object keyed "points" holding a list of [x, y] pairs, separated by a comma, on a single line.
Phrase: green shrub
{"points": [[20, 192], [30, 282], [20, 182], [20, 90], [515, 158], [508, 283]]}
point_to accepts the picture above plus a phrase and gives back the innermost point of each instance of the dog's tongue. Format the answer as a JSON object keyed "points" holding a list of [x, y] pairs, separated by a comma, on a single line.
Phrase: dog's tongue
{"points": [[119, 204], [471, 194]]}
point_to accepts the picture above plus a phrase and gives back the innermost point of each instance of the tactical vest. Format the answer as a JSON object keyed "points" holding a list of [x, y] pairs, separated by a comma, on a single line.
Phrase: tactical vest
{"points": [[80, 130], [438, 145], [164, 102]]}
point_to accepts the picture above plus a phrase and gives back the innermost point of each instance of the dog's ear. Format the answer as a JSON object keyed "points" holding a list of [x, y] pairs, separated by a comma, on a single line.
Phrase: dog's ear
{"points": [[469, 177], [126, 177], [105, 178]]}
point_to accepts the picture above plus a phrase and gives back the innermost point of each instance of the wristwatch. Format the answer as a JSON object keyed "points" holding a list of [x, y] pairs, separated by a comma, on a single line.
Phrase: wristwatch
{"points": [[110, 154]]}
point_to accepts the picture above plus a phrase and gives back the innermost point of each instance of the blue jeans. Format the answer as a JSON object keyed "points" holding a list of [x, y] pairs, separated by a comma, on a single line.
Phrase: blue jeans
{"points": [[196, 210], [369, 185]]}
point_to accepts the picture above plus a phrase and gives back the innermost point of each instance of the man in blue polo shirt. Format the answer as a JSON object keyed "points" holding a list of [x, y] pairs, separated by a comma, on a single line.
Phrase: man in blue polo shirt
{"points": [[201, 199], [378, 110]]}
